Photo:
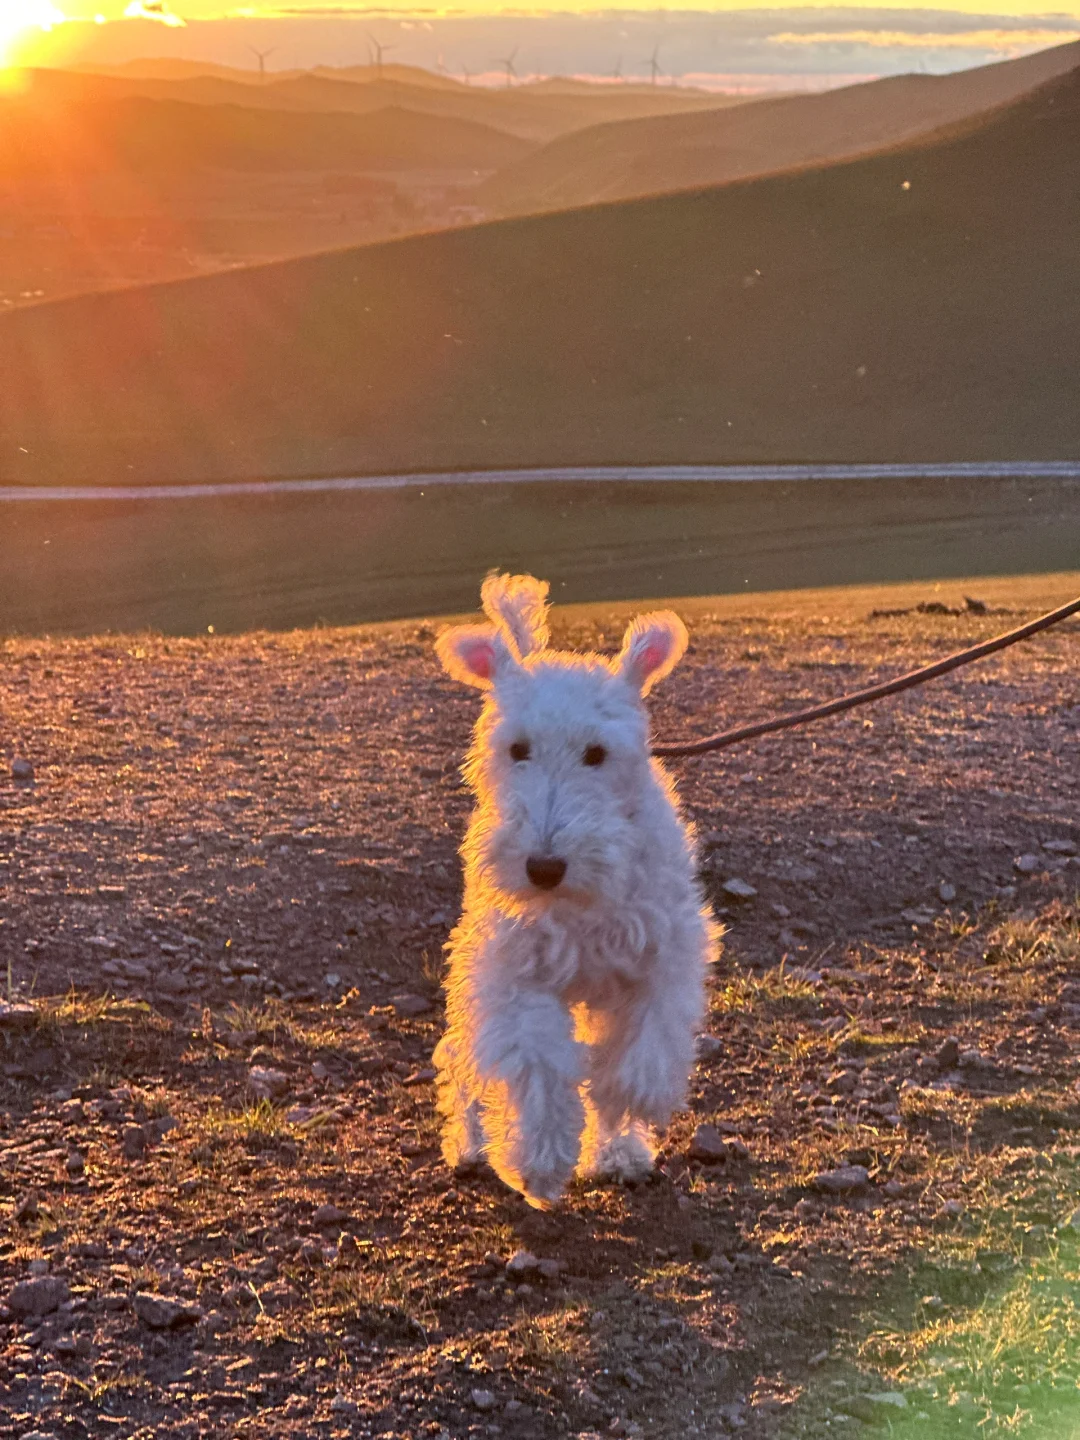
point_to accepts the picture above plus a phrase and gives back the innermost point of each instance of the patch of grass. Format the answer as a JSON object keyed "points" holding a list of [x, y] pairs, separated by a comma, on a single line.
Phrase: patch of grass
{"points": [[77, 1008], [260, 1123], [547, 1342], [748, 993], [1009, 1364]]}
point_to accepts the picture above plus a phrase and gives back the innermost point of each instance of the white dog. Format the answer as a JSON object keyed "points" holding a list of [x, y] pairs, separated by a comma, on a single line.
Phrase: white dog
{"points": [[576, 980]]}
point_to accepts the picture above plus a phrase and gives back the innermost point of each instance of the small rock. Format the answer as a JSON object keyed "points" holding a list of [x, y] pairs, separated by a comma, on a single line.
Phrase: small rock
{"points": [[522, 1263], [342, 1405], [550, 1269], [21, 769], [844, 1180], [918, 915], [329, 1215], [952, 1209], [948, 1053], [738, 889], [1026, 864], [410, 1005], [26, 1209], [708, 1145], [75, 1164], [946, 891], [348, 1251], [482, 1399], [1059, 847], [888, 1399], [39, 1296], [267, 1084], [780, 911], [420, 1077], [319, 1071], [161, 1313], [17, 1015], [332, 981], [134, 1142], [709, 1047]]}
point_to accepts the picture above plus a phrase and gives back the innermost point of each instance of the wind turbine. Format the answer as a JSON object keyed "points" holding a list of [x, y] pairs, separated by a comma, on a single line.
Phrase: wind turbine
{"points": [[508, 65], [262, 56], [379, 51], [616, 74], [654, 64]]}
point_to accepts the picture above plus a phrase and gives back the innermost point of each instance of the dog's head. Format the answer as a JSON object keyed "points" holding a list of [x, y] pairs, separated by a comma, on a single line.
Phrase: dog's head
{"points": [[560, 759]]}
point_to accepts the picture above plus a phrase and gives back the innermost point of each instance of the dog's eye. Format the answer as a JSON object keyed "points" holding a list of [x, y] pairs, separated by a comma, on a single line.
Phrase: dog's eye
{"points": [[594, 755], [519, 750]]}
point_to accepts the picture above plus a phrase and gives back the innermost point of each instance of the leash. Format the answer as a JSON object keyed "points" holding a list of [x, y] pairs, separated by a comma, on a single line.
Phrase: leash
{"points": [[875, 692]]}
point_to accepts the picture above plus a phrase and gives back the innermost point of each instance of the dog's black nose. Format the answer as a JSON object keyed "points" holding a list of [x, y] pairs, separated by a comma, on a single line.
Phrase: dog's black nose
{"points": [[546, 872]]}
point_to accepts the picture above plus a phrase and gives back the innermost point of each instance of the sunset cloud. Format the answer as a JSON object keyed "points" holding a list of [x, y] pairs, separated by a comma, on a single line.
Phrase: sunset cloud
{"points": [[153, 10], [998, 40]]}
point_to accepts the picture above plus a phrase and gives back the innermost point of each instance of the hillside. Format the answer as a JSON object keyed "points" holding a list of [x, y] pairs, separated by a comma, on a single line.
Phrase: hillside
{"points": [[655, 156], [923, 303], [530, 112], [157, 135]]}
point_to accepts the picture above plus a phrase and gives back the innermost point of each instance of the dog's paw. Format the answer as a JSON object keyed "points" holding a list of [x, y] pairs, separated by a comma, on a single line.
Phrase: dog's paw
{"points": [[627, 1157], [544, 1188]]}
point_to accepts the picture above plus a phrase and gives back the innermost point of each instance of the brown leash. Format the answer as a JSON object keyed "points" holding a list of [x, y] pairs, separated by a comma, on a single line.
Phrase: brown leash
{"points": [[866, 697]]}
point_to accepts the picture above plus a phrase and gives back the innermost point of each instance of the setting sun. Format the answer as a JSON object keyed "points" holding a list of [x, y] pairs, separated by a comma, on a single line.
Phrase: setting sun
{"points": [[17, 17]]}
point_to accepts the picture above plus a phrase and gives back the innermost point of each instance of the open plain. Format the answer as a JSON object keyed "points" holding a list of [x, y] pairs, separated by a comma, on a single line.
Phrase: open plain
{"points": [[228, 869]]}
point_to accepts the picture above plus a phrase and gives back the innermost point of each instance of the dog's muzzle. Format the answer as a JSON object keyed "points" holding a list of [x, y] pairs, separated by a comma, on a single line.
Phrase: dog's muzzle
{"points": [[545, 872]]}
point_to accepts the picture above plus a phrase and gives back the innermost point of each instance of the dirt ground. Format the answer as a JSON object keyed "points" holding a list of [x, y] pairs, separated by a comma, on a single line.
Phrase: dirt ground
{"points": [[224, 894]]}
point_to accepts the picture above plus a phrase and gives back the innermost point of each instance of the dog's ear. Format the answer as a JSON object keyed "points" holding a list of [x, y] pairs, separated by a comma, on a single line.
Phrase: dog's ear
{"points": [[517, 604], [652, 646], [474, 654]]}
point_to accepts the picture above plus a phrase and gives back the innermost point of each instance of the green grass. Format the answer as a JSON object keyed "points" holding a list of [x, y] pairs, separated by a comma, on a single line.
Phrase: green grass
{"points": [[1007, 1365]]}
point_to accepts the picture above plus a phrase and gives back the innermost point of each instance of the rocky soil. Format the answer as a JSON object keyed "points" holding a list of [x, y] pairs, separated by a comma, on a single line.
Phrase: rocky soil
{"points": [[228, 869]]}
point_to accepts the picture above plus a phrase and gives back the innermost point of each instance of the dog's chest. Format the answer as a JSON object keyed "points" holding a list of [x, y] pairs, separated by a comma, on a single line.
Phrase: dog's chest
{"points": [[592, 961]]}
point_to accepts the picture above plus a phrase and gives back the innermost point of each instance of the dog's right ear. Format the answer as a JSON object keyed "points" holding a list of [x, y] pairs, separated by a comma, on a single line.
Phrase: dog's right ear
{"points": [[473, 654]]}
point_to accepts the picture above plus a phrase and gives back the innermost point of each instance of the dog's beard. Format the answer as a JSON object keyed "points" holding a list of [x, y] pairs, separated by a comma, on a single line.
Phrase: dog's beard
{"points": [[593, 869]]}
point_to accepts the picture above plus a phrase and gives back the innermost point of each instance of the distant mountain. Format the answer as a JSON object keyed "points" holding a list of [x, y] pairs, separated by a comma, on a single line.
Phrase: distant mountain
{"points": [[655, 156], [144, 134], [918, 304], [527, 111]]}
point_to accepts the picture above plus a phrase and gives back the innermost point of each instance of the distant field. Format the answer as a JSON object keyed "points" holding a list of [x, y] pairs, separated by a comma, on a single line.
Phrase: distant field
{"points": [[248, 562]]}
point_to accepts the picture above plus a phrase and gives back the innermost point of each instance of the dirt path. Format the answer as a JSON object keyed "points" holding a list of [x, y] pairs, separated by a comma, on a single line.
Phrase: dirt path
{"points": [[224, 896]]}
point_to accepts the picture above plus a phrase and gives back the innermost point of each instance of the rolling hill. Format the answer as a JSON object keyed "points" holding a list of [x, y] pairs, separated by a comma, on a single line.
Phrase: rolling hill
{"points": [[918, 304], [536, 113], [162, 135], [655, 156]]}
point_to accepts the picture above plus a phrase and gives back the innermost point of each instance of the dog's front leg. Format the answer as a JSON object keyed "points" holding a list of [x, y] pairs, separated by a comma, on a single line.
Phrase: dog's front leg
{"points": [[524, 1048], [641, 1067]]}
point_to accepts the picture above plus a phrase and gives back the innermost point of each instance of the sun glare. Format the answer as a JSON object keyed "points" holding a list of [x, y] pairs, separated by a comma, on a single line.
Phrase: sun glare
{"points": [[18, 18]]}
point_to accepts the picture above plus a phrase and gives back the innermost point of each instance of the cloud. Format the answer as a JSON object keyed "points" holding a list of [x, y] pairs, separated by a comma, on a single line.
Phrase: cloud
{"points": [[996, 41], [153, 10]]}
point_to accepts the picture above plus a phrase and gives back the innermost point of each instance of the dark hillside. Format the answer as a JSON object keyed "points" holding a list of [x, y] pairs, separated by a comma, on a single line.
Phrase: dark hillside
{"points": [[157, 135], [918, 304]]}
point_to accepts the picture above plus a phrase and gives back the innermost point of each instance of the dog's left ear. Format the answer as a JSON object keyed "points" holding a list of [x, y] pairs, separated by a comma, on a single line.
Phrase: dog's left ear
{"points": [[518, 606], [652, 647]]}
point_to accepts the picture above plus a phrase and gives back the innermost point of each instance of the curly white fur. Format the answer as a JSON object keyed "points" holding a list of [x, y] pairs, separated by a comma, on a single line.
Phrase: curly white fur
{"points": [[574, 993]]}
